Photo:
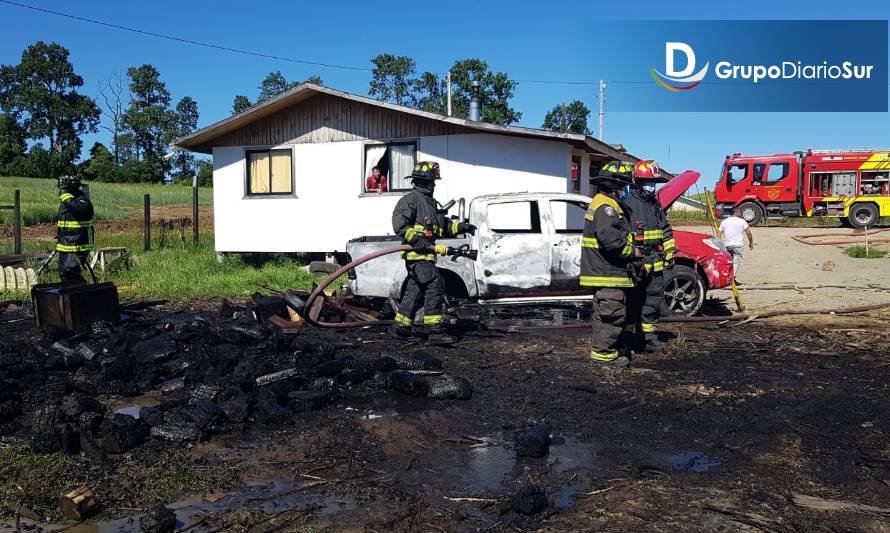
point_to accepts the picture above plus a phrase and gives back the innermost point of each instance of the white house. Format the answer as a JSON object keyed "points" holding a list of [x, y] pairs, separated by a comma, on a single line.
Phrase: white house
{"points": [[289, 174]]}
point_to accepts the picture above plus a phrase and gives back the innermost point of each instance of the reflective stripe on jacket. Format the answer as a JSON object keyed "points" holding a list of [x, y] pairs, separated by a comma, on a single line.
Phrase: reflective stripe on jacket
{"points": [[74, 223], [652, 231], [416, 216], [606, 245]]}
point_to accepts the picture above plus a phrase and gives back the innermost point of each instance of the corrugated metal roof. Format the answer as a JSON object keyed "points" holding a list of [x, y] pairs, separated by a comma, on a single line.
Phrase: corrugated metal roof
{"points": [[205, 136]]}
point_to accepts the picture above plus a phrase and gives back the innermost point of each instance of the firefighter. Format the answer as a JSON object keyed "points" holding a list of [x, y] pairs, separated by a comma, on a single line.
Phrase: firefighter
{"points": [[417, 220], [74, 229], [607, 250], [654, 238]]}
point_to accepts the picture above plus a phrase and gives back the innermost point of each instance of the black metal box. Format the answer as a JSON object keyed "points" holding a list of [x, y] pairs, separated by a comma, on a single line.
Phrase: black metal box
{"points": [[75, 307]]}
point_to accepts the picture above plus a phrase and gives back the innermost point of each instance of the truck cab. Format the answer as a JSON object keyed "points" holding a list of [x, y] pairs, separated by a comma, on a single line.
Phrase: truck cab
{"points": [[761, 186]]}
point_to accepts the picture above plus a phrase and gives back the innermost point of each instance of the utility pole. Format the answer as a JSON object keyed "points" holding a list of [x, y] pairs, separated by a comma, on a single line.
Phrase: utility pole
{"points": [[602, 109], [448, 82]]}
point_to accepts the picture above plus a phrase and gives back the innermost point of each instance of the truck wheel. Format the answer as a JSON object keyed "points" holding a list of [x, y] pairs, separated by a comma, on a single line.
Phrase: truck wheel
{"points": [[863, 215], [751, 212], [684, 292]]}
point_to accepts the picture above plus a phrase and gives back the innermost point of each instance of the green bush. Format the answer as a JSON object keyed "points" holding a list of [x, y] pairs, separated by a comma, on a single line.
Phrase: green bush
{"points": [[859, 252]]}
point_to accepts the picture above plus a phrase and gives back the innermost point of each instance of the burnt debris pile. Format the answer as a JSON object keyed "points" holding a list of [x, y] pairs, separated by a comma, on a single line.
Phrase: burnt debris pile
{"points": [[181, 378]]}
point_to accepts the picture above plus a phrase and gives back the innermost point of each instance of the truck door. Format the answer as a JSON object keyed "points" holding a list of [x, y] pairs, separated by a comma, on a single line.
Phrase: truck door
{"points": [[515, 253], [567, 220], [737, 180], [775, 181]]}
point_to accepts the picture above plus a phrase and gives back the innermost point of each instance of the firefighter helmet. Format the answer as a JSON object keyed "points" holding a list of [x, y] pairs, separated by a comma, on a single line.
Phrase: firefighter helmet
{"points": [[427, 170], [647, 171], [616, 173], [68, 182]]}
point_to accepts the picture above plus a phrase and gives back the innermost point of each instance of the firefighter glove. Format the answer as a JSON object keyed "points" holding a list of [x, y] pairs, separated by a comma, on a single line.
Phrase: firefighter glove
{"points": [[466, 227]]}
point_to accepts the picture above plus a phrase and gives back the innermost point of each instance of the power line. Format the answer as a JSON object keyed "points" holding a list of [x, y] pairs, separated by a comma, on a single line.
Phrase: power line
{"points": [[183, 40]]}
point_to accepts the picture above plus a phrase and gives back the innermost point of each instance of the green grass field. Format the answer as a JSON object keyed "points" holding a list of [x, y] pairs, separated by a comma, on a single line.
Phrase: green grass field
{"points": [[113, 201]]}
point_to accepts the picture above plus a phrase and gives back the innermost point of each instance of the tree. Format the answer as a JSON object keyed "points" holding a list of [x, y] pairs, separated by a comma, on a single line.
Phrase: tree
{"points": [[275, 83], [240, 104], [149, 118], [568, 118], [392, 79], [101, 165], [205, 173], [42, 91], [111, 89], [12, 141], [495, 91], [185, 122]]}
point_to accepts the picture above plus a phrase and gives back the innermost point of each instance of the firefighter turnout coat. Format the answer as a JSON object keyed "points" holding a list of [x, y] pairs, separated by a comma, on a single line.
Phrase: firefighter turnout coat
{"points": [[651, 230], [607, 245], [415, 217], [74, 223]]}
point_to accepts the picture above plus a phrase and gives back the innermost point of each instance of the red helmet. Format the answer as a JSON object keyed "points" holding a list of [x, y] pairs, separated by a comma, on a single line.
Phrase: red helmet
{"points": [[647, 170]]}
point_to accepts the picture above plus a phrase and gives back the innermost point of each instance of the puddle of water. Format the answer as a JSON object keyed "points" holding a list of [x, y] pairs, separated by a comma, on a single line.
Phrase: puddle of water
{"points": [[564, 497], [483, 468], [691, 461], [384, 405], [270, 496], [569, 454]]}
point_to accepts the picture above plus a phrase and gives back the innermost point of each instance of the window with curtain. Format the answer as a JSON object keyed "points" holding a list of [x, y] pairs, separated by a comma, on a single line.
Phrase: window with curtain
{"points": [[395, 160], [269, 172]]}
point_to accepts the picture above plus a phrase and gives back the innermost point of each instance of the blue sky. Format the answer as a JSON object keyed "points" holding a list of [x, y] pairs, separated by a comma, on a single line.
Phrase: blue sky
{"points": [[528, 40]]}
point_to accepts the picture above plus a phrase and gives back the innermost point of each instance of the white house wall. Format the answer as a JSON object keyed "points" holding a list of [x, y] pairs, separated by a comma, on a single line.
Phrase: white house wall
{"points": [[329, 209]]}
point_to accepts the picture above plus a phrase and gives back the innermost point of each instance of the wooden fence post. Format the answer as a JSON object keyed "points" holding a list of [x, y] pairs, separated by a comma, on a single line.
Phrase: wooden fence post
{"points": [[195, 220], [147, 228], [17, 217]]}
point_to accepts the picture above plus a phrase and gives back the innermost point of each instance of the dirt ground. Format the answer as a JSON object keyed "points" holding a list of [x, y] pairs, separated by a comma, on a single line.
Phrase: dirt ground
{"points": [[723, 432], [779, 260]]}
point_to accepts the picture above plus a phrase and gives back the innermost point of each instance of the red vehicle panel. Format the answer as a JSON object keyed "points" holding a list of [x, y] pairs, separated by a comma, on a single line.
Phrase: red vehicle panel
{"points": [[853, 184]]}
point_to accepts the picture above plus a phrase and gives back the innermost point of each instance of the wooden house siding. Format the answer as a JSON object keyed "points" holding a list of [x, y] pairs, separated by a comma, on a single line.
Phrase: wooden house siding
{"points": [[326, 118]]}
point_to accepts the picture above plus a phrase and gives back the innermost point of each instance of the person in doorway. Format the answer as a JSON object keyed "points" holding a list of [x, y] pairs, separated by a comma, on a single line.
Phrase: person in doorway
{"points": [[733, 231], [376, 182], [74, 229], [416, 218], [607, 253], [654, 236]]}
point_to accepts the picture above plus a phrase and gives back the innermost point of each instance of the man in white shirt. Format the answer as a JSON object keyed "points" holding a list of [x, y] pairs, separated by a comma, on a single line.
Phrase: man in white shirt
{"points": [[732, 231]]}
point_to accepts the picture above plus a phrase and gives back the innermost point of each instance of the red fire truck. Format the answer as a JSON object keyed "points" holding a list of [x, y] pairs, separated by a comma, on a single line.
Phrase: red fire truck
{"points": [[853, 185]]}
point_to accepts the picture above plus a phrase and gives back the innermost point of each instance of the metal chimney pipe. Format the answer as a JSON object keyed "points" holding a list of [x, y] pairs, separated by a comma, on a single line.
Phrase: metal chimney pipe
{"points": [[475, 111]]}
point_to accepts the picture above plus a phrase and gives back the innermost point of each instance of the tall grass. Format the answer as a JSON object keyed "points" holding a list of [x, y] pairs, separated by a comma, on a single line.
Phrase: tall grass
{"points": [[113, 201]]}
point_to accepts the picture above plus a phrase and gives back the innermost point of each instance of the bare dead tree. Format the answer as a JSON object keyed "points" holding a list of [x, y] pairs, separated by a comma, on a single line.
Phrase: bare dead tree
{"points": [[112, 88]]}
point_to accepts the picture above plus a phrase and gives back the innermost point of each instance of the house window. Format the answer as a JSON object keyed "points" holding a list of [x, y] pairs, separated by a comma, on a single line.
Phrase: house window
{"points": [[395, 161], [269, 172]]}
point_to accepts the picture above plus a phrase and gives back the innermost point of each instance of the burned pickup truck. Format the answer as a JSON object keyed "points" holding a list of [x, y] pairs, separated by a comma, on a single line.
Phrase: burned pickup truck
{"points": [[529, 252]]}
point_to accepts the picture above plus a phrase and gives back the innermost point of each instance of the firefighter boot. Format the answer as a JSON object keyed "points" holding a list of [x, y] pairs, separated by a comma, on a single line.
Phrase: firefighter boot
{"points": [[609, 358], [440, 336], [653, 344], [397, 331]]}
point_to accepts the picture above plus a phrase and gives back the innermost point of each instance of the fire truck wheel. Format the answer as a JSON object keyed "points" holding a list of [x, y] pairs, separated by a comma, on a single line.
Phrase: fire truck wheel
{"points": [[684, 292], [863, 215], [751, 212]]}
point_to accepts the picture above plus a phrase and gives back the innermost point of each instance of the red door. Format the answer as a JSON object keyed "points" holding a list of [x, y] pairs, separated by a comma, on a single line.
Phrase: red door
{"points": [[775, 180]]}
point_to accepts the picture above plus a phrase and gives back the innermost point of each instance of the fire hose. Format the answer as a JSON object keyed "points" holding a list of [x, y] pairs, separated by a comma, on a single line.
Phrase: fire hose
{"points": [[846, 238], [305, 308]]}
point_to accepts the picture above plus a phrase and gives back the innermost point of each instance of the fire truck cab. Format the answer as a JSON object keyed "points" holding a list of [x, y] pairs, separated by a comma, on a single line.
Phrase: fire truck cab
{"points": [[853, 185]]}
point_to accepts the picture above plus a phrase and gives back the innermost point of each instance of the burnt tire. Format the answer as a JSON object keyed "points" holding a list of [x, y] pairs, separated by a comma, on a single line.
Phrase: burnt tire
{"points": [[863, 215], [308, 400], [417, 362], [447, 387], [684, 292], [409, 383]]}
